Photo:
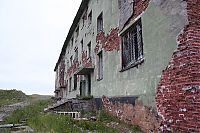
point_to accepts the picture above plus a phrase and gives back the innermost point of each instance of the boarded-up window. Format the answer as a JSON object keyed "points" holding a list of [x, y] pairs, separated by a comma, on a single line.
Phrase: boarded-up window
{"points": [[126, 11], [132, 45]]}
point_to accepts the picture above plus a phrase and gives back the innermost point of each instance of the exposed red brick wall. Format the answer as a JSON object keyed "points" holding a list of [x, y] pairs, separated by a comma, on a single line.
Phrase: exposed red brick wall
{"points": [[108, 43], [85, 62], [140, 6], [178, 93], [138, 114]]}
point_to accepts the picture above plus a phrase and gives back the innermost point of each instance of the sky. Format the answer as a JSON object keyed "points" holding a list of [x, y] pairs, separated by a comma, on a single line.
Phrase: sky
{"points": [[32, 33]]}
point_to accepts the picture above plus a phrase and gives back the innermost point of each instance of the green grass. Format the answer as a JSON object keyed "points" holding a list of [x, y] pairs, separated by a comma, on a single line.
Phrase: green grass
{"points": [[11, 96], [51, 122]]}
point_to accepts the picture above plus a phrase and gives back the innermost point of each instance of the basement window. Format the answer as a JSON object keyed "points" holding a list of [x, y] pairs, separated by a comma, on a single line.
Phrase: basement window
{"points": [[132, 46], [100, 66], [100, 23]]}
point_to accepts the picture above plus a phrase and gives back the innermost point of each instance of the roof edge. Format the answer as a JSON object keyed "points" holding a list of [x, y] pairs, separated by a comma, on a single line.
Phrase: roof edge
{"points": [[79, 13]]}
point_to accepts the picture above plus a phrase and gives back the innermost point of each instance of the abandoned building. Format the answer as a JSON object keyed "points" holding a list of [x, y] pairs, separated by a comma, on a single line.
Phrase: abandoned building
{"points": [[141, 51]]}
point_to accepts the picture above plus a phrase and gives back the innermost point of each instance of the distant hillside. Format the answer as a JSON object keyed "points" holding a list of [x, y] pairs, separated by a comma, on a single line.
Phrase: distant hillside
{"points": [[36, 97], [11, 97]]}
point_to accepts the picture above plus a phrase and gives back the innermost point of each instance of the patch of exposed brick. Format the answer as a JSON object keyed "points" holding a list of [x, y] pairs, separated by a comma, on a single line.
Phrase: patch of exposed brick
{"points": [[108, 43], [85, 62], [178, 92], [139, 7], [137, 114]]}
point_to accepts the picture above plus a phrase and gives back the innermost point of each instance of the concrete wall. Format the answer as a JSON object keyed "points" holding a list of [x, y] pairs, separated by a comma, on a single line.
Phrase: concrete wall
{"points": [[142, 80]]}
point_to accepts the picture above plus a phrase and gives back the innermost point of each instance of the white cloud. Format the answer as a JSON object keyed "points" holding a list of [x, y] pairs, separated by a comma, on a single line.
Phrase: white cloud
{"points": [[32, 33]]}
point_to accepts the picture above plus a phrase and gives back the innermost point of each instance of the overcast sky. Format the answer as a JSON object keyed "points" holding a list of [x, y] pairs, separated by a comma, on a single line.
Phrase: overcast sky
{"points": [[32, 33]]}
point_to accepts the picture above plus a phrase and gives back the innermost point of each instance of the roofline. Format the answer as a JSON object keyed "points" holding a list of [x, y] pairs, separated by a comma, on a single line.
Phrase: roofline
{"points": [[79, 13]]}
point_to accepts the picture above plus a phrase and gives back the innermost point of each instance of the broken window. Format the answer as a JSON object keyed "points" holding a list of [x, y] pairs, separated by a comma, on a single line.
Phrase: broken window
{"points": [[70, 84], [100, 66], [90, 18], [100, 23], [132, 45], [89, 50], [75, 82], [76, 54]]}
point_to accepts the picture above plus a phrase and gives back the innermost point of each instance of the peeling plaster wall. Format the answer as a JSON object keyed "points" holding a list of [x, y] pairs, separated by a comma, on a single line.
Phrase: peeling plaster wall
{"points": [[142, 80], [176, 10]]}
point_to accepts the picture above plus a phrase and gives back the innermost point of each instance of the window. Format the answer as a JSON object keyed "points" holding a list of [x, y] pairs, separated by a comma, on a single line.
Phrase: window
{"points": [[75, 82], [66, 87], [90, 18], [89, 50], [77, 31], [67, 64], [72, 40], [76, 54], [100, 23], [84, 17], [82, 45], [70, 84], [132, 46], [71, 60], [100, 66]]}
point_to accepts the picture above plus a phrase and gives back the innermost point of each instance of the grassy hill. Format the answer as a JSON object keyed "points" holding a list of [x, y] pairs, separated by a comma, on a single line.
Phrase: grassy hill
{"points": [[11, 97]]}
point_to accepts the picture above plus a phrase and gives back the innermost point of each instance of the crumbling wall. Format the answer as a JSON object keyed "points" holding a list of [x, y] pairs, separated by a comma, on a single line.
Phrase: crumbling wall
{"points": [[61, 73], [177, 11], [108, 43], [136, 114], [178, 93]]}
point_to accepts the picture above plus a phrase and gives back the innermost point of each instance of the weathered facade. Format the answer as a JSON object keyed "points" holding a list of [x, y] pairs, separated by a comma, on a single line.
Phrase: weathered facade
{"points": [[144, 49]]}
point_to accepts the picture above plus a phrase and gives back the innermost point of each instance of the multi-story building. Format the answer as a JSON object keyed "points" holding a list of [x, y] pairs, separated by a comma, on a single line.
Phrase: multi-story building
{"points": [[134, 48]]}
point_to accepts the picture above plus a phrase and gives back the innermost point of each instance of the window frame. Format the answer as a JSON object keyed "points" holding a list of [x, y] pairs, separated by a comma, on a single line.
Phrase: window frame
{"points": [[100, 66], [89, 50], [134, 48], [90, 18], [100, 23]]}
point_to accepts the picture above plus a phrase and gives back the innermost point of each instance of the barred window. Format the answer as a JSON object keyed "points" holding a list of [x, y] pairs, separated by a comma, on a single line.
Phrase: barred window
{"points": [[132, 45]]}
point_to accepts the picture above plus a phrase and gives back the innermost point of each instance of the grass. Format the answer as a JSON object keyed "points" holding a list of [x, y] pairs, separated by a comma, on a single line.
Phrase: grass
{"points": [[34, 117], [11, 96], [51, 122]]}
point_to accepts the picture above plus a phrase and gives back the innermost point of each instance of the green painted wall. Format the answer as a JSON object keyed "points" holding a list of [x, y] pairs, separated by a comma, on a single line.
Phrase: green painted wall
{"points": [[140, 81]]}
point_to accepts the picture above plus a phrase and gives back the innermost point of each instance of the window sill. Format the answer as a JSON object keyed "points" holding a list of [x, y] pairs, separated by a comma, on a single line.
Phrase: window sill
{"points": [[134, 64]]}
